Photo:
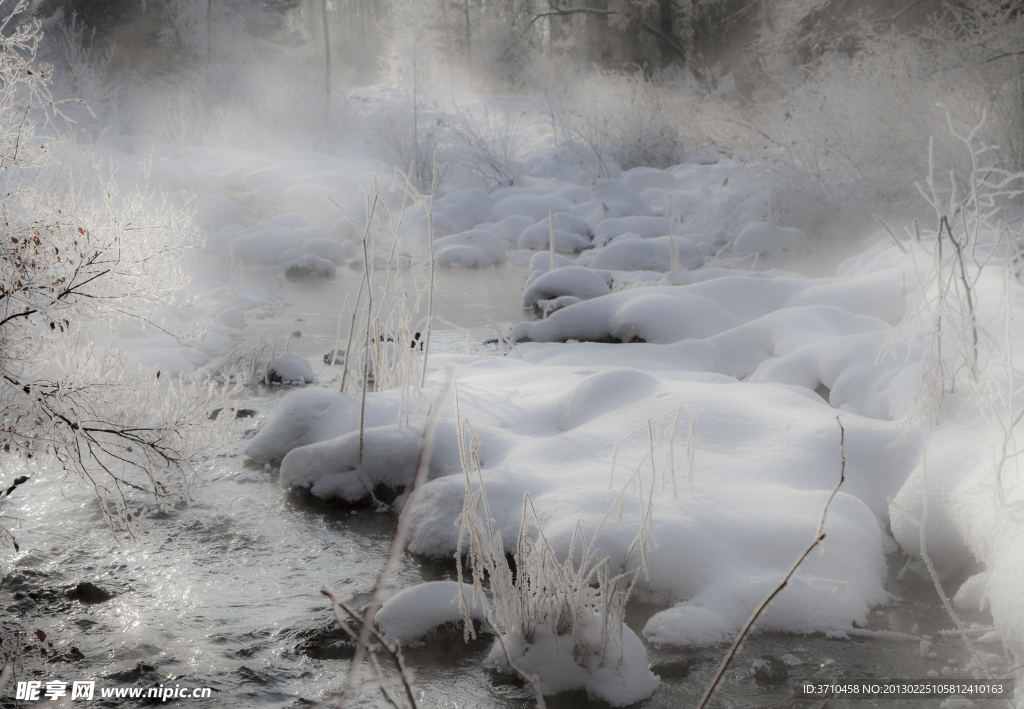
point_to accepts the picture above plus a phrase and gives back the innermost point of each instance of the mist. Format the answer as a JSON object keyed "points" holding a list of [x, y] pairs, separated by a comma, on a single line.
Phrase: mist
{"points": [[438, 352]]}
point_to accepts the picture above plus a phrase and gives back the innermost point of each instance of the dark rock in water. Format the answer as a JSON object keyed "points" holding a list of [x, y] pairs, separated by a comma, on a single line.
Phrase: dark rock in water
{"points": [[297, 333], [87, 592], [326, 642], [769, 670], [239, 413], [386, 494], [134, 674], [331, 358], [672, 669]]}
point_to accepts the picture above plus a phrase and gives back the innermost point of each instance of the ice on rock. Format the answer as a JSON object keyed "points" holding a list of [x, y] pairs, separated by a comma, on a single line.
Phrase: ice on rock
{"points": [[769, 240], [582, 283], [289, 368], [414, 612], [471, 248], [310, 267]]}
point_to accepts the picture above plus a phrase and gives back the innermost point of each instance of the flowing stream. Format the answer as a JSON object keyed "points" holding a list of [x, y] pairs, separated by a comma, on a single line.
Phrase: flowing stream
{"points": [[227, 596]]}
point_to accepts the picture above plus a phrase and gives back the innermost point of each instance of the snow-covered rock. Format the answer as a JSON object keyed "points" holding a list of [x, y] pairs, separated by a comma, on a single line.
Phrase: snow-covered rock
{"points": [[581, 283], [470, 248], [415, 611], [310, 267], [290, 369]]}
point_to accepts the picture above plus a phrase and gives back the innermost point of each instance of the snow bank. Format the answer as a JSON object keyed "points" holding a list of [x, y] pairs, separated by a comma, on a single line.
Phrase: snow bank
{"points": [[769, 240], [330, 250], [581, 283], [644, 227], [309, 267], [615, 672], [303, 417], [538, 237], [289, 368], [414, 612], [470, 248], [655, 254]]}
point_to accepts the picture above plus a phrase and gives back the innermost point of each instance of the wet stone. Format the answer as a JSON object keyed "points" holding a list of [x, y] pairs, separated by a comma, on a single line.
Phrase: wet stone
{"points": [[325, 642], [86, 592], [769, 670], [672, 669], [239, 413]]}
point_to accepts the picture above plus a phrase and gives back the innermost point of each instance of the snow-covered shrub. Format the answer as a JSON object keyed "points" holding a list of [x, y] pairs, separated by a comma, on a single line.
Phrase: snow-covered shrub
{"points": [[615, 117], [559, 624], [943, 316], [489, 146], [78, 258]]}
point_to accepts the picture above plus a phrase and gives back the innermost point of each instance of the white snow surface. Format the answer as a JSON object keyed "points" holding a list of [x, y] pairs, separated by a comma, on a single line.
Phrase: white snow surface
{"points": [[740, 354], [290, 368], [413, 612]]}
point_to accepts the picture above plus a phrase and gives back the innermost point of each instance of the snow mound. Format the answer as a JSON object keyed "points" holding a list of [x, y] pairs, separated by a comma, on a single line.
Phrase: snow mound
{"points": [[264, 246], [568, 280], [509, 228], [769, 240], [615, 672], [310, 267], [645, 255], [413, 612], [290, 369], [644, 227], [536, 207], [538, 238], [215, 213], [330, 250], [303, 417], [470, 248], [232, 317]]}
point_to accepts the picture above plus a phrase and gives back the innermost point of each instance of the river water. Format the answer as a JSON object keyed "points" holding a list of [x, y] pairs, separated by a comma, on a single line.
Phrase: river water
{"points": [[227, 596]]}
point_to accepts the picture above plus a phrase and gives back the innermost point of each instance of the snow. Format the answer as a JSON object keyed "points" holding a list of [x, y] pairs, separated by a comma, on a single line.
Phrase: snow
{"points": [[635, 347], [770, 240], [636, 254], [538, 237], [413, 612], [581, 283], [470, 248], [644, 227], [310, 267], [327, 249], [290, 369], [615, 672]]}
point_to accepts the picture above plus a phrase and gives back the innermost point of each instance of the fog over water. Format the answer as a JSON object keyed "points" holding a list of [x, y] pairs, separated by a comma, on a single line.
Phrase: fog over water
{"points": [[589, 305]]}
